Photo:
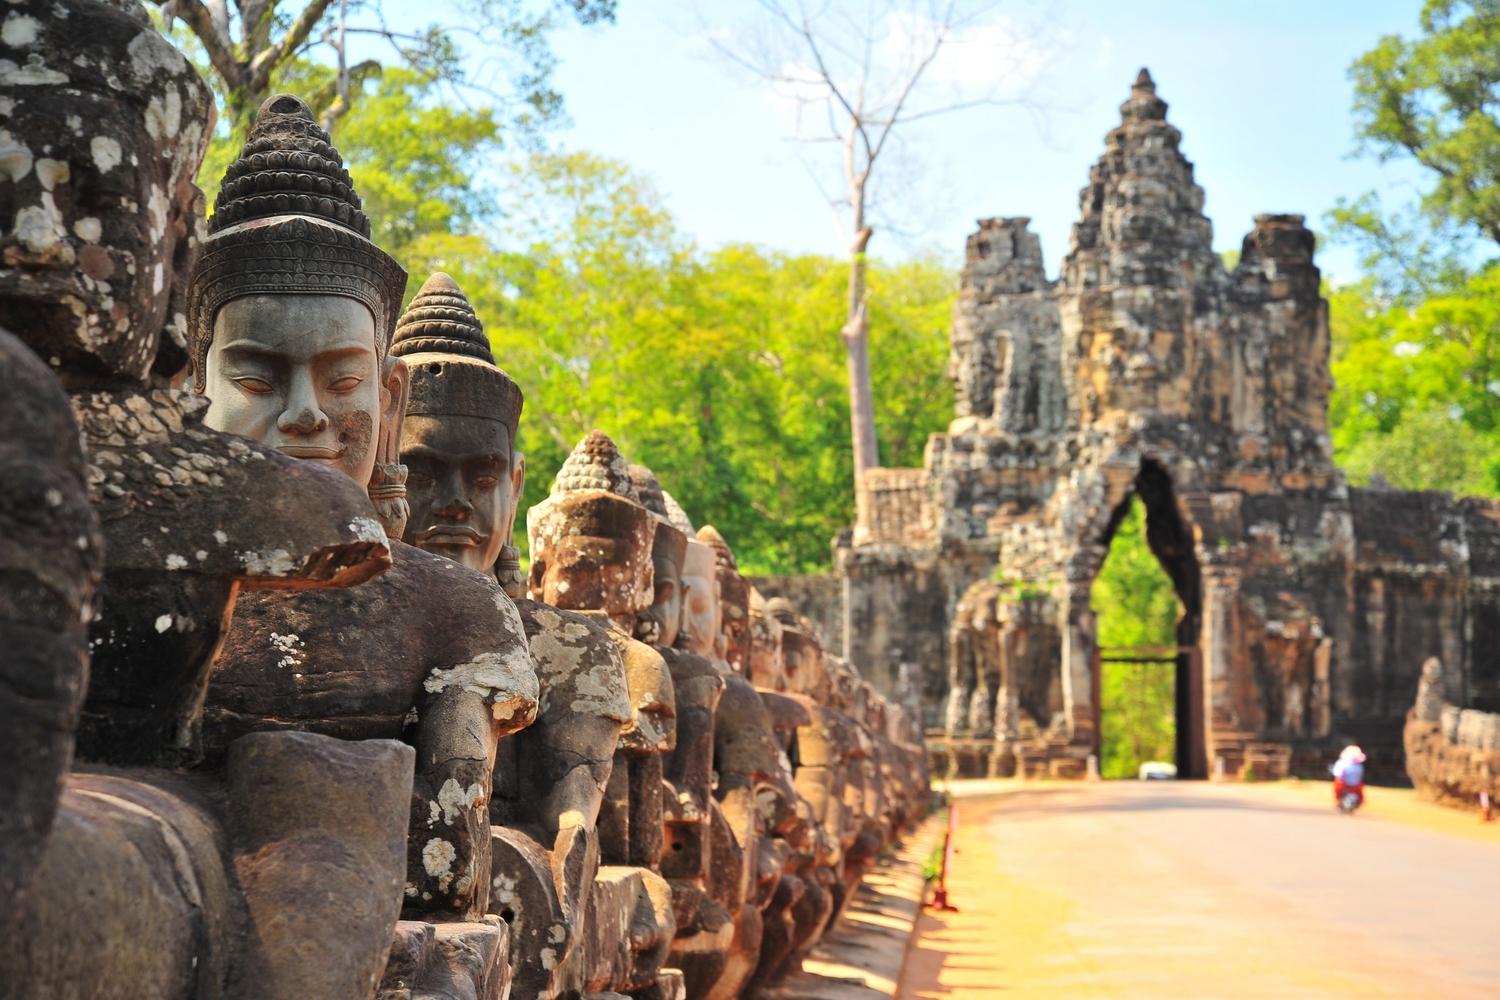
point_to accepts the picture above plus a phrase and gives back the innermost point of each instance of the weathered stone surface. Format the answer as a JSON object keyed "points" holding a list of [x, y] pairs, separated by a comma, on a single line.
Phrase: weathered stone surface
{"points": [[548, 782], [307, 811], [290, 285], [153, 882], [50, 560], [458, 439], [189, 515], [451, 961], [1452, 754], [627, 934], [286, 664], [99, 107]]}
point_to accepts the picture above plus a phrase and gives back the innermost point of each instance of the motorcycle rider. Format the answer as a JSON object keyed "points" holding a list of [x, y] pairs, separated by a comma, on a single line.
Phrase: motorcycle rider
{"points": [[1349, 775]]}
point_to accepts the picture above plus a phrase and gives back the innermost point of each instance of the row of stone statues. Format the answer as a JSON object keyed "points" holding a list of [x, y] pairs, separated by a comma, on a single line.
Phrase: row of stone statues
{"points": [[294, 723]]}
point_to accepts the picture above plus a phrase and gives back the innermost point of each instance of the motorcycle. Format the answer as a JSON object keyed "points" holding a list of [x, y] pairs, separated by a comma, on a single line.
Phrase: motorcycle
{"points": [[1348, 796], [1351, 798]]}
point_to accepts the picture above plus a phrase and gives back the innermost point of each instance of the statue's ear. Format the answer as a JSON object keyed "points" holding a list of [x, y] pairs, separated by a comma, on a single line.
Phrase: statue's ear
{"points": [[394, 391], [517, 485], [517, 479], [388, 479]]}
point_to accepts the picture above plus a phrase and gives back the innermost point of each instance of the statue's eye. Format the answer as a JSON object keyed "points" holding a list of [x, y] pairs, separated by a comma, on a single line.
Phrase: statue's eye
{"points": [[253, 385], [346, 384]]}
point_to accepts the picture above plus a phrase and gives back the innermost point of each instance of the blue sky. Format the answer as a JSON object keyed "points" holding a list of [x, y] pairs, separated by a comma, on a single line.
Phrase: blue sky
{"points": [[1259, 89]]}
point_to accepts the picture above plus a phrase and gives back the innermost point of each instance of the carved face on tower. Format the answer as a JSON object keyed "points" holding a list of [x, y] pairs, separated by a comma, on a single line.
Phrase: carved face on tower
{"points": [[591, 542], [292, 307], [108, 110], [458, 442]]}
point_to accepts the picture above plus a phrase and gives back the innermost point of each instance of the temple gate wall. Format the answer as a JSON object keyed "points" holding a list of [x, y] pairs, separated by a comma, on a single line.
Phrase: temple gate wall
{"points": [[1149, 369]]}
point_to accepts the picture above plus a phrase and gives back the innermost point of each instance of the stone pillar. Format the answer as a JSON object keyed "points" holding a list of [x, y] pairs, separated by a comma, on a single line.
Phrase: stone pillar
{"points": [[1220, 585], [1078, 638]]}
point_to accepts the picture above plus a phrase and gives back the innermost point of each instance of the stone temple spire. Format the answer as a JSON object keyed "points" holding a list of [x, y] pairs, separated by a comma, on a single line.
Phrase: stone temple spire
{"points": [[1141, 216], [1143, 104]]}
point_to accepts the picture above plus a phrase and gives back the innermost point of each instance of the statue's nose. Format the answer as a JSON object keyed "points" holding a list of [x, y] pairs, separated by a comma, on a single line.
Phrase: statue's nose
{"points": [[303, 420], [302, 414]]}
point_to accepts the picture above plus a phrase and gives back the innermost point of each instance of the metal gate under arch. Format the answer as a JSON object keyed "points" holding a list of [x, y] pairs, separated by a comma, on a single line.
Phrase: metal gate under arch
{"points": [[1188, 695]]}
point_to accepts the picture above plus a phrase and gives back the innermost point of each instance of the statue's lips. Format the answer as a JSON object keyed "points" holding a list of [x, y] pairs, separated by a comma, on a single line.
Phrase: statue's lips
{"points": [[450, 534], [313, 452]]}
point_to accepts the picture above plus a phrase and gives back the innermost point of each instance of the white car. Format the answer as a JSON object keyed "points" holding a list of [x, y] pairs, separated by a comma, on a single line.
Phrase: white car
{"points": [[1156, 770]]}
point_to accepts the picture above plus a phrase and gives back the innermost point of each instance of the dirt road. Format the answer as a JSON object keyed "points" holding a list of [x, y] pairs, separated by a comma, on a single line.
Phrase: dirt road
{"points": [[1132, 889]]}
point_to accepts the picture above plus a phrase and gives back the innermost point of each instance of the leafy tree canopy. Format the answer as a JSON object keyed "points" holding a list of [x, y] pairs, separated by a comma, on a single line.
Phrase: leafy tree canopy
{"points": [[245, 46], [1433, 99], [714, 368], [1417, 387]]}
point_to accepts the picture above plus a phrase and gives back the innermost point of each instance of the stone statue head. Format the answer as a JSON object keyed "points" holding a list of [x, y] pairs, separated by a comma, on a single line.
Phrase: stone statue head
{"points": [[767, 658], [98, 108], [802, 654], [660, 623], [292, 308], [591, 542], [701, 630], [733, 643], [464, 477]]}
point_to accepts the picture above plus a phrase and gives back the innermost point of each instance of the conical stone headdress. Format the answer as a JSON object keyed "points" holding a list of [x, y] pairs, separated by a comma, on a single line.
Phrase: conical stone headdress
{"points": [[288, 222], [453, 371], [595, 463]]}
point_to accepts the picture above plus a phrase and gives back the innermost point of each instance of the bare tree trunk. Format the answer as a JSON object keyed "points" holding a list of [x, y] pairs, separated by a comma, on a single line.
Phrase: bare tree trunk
{"points": [[856, 337]]}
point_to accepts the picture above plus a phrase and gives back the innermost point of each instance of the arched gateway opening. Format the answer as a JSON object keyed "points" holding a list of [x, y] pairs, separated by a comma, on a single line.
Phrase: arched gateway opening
{"points": [[1148, 672]]}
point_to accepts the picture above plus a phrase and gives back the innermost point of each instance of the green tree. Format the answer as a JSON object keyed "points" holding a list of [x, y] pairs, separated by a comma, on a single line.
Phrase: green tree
{"points": [[246, 45], [1135, 605], [415, 159], [1417, 378], [1433, 99], [714, 368], [1417, 387]]}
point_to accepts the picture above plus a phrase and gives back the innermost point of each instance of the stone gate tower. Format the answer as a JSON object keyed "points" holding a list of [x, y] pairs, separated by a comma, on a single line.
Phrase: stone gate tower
{"points": [[1147, 370]]}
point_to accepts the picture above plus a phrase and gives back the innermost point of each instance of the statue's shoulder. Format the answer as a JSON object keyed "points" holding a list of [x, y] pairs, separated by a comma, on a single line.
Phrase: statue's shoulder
{"points": [[458, 611], [686, 666], [579, 659]]}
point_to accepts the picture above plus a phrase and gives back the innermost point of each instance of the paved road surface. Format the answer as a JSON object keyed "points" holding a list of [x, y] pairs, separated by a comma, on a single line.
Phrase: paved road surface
{"points": [[1130, 889]]}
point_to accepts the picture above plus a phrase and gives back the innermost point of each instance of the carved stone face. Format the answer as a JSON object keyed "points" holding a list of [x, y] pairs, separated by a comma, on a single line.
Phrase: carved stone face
{"points": [[733, 642], [97, 202], [300, 373], [767, 658], [591, 551], [463, 484], [660, 623], [700, 601]]}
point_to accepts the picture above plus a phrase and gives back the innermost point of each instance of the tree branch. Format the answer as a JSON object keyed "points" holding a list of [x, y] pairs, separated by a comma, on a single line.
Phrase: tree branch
{"points": [[200, 21], [268, 59], [913, 80]]}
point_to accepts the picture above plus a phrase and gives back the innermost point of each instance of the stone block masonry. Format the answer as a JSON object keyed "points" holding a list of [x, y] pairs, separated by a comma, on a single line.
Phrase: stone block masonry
{"points": [[1149, 372]]}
